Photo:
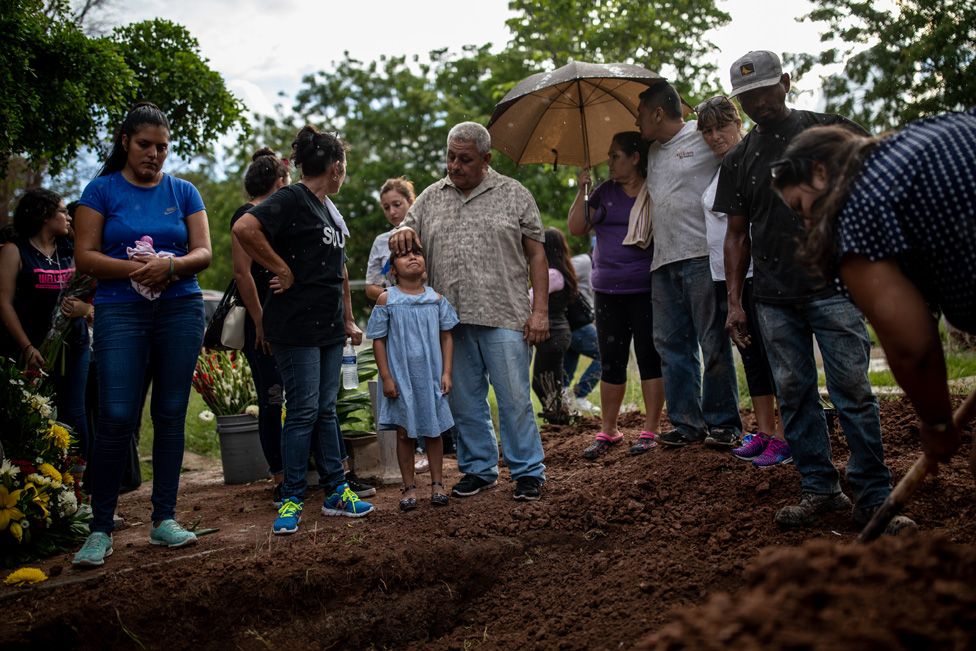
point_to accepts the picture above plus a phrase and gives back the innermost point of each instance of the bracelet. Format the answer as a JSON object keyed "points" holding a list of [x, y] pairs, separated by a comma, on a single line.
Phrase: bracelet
{"points": [[172, 268], [938, 428]]}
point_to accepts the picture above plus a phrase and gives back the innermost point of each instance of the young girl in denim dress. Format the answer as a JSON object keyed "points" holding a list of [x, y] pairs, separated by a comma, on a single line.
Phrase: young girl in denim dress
{"points": [[411, 331]]}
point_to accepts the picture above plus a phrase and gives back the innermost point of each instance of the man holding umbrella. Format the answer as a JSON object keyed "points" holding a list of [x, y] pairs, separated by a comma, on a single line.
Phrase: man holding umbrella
{"points": [[483, 237], [687, 313]]}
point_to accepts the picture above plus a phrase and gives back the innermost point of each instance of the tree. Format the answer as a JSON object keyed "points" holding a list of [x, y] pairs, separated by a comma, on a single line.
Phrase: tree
{"points": [[170, 72], [916, 59], [656, 35], [64, 90], [59, 86]]}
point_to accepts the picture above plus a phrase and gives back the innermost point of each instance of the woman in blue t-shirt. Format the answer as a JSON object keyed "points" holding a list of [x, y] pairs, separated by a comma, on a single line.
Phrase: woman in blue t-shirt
{"points": [[895, 219], [132, 198], [300, 237]]}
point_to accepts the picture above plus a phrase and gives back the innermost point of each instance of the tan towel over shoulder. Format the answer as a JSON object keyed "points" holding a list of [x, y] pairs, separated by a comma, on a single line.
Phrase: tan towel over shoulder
{"points": [[640, 232]]}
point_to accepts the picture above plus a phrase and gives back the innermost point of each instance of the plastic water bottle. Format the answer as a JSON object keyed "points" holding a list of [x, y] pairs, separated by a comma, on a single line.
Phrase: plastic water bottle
{"points": [[350, 369]]}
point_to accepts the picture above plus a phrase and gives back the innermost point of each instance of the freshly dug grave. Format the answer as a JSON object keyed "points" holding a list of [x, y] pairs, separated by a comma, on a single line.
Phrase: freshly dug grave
{"points": [[619, 552]]}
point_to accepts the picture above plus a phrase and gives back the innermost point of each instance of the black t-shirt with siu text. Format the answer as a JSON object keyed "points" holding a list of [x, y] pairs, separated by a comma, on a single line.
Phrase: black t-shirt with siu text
{"points": [[301, 232]]}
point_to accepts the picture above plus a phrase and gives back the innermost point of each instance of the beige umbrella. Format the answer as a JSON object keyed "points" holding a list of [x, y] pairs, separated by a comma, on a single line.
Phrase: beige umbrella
{"points": [[571, 114]]}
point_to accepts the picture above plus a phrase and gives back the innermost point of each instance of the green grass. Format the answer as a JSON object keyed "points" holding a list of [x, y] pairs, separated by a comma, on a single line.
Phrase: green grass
{"points": [[958, 365], [201, 437]]}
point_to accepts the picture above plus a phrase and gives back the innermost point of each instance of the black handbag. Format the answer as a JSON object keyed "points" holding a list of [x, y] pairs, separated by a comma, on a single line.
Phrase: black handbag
{"points": [[226, 328], [579, 312]]}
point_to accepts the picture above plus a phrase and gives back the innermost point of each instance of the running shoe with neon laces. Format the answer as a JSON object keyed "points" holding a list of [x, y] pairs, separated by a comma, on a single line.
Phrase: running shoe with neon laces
{"points": [[776, 453], [752, 446], [96, 549], [170, 534], [345, 502], [289, 515]]}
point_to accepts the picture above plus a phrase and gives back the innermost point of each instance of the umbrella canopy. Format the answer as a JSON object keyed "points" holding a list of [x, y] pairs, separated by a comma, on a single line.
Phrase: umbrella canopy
{"points": [[571, 114]]}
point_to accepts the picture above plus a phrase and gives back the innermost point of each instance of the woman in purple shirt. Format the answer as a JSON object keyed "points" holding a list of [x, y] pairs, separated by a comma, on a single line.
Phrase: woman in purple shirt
{"points": [[622, 291]]}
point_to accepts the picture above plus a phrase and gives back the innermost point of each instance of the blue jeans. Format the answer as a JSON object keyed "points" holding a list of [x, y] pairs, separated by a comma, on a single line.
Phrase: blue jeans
{"points": [[788, 331], [268, 387], [311, 378], [688, 315], [501, 356], [70, 387], [165, 336], [583, 342]]}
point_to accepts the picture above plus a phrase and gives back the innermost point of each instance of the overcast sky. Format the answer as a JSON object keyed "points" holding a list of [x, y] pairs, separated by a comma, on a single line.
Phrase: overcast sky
{"points": [[263, 48]]}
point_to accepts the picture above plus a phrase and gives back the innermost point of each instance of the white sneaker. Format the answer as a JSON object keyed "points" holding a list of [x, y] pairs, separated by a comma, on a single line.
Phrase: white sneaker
{"points": [[421, 465], [585, 405]]}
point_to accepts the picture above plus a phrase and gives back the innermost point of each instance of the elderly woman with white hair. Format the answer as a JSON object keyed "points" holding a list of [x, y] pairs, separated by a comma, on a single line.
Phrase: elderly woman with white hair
{"points": [[483, 237]]}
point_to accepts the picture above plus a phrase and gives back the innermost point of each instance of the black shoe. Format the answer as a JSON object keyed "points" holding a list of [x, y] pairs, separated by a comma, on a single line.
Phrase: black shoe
{"points": [[862, 515], [721, 438], [408, 503], [438, 497], [676, 439], [360, 488], [471, 485], [528, 489]]}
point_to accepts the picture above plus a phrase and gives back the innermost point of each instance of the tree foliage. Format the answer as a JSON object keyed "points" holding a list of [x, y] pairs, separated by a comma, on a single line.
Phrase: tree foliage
{"points": [[900, 64], [656, 35], [59, 85], [64, 89]]}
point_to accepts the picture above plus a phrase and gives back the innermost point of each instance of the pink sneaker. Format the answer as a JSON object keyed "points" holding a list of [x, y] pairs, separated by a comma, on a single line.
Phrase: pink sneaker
{"points": [[777, 452], [752, 446]]}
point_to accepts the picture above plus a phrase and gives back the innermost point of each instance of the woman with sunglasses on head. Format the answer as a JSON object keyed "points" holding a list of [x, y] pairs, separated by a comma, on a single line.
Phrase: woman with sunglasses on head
{"points": [[721, 127], [617, 213], [149, 315], [895, 219]]}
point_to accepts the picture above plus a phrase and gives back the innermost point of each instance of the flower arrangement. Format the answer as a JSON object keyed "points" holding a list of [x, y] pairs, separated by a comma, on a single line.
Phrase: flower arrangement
{"points": [[81, 286], [39, 497], [223, 379]]}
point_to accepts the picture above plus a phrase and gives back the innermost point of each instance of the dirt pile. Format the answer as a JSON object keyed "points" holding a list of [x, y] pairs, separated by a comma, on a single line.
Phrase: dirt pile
{"points": [[912, 592], [616, 550]]}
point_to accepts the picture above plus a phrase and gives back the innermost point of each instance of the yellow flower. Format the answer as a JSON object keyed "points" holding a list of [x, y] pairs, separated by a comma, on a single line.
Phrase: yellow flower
{"points": [[17, 531], [48, 470], [60, 436], [68, 478], [25, 576], [40, 498], [8, 507]]}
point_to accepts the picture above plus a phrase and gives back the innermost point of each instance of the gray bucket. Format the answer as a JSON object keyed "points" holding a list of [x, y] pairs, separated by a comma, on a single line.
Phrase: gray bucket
{"points": [[240, 449]]}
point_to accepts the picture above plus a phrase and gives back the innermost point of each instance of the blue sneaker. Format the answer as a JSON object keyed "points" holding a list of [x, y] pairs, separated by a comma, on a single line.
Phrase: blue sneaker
{"points": [[93, 552], [345, 502], [171, 534], [289, 515]]}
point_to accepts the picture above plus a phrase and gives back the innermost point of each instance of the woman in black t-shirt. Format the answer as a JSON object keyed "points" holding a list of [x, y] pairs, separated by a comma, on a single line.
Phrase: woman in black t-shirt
{"points": [[34, 267], [265, 175], [299, 236]]}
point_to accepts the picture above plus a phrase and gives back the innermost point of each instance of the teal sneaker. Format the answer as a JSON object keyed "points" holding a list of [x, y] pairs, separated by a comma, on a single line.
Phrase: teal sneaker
{"points": [[171, 534], [289, 515], [93, 552], [345, 502]]}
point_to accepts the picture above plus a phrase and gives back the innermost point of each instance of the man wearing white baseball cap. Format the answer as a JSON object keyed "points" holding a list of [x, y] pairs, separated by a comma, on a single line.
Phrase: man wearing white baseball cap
{"points": [[795, 306]]}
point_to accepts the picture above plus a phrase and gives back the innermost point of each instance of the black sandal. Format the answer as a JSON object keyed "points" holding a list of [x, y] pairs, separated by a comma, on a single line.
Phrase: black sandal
{"points": [[439, 499], [408, 503]]}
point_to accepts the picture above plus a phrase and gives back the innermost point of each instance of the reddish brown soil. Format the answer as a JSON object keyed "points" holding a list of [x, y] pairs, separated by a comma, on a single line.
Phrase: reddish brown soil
{"points": [[671, 550]]}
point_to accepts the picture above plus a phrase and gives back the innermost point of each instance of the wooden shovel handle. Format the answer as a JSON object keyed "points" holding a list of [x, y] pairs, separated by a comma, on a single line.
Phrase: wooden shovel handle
{"points": [[903, 491]]}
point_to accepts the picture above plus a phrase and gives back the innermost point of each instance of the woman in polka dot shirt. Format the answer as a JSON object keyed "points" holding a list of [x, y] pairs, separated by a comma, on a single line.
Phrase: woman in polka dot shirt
{"points": [[894, 219]]}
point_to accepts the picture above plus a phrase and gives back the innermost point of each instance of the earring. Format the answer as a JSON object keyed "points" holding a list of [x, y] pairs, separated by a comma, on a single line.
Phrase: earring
{"points": [[335, 178]]}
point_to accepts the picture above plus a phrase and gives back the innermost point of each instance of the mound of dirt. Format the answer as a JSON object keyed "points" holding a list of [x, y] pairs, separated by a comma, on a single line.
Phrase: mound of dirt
{"points": [[909, 592], [617, 549]]}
